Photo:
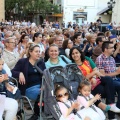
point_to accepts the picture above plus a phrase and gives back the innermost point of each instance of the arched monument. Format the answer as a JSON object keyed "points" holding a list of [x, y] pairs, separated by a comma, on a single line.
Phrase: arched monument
{"points": [[2, 9]]}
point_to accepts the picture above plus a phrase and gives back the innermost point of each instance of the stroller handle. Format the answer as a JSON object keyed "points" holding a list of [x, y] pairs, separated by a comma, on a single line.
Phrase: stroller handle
{"points": [[37, 66]]}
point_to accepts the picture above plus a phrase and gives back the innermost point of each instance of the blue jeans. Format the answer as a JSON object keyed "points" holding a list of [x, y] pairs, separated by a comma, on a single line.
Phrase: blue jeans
{"points": [[33, 92], [116, 83]]}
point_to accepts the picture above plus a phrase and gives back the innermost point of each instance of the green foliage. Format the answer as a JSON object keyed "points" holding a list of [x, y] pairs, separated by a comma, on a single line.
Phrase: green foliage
{"points": [[42, 7]]}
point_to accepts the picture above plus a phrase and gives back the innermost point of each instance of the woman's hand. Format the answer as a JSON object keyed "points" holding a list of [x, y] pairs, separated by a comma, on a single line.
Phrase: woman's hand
{"points": [[97, 73], [90, 48], [93, 81], [23, 53], [2, 78], [21, 78]]}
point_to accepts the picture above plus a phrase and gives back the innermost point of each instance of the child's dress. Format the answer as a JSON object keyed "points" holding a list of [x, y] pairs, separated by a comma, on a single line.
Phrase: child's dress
{"points": [[93, 112], [72, 116]]}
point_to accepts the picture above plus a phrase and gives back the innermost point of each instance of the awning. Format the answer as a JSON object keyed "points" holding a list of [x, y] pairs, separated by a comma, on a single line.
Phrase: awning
{"points": [[103, 11], [58, 15]]}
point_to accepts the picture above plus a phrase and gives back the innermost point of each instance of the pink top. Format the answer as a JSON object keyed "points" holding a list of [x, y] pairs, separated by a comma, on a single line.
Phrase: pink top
{"points": [[83, 101], [64, 110]]}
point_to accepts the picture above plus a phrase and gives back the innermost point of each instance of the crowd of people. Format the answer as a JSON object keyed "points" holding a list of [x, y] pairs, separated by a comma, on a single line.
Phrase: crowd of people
{"points": [[95, 53]]}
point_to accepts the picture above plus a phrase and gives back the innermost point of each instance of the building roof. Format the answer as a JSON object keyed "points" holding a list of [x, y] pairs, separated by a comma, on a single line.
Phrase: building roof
{"points": [[103, 11]]}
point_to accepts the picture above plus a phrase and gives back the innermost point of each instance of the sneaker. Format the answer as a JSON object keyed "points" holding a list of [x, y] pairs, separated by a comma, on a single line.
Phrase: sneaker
{"points": [[112, 119], [33, 117], [114, 108]]}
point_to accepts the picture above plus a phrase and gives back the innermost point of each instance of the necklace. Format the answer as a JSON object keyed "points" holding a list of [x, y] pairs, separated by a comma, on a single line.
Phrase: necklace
{"points": [[54, 63]]}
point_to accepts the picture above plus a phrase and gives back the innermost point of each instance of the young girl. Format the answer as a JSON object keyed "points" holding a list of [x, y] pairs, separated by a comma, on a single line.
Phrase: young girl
{"points": [[87, 100], [67, 106], [8, 105]]}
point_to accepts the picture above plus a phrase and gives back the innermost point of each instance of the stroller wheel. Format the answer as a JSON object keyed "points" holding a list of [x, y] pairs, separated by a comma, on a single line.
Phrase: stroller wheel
{"points": [[20, 115]]}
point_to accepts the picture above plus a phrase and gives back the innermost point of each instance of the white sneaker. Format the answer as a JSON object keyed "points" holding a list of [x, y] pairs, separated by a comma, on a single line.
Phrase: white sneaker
{"points": [[112, 119], [114, 108]]}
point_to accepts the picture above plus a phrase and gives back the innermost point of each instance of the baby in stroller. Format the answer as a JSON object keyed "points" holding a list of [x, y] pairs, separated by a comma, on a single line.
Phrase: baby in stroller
{"points": [[70, 110]]}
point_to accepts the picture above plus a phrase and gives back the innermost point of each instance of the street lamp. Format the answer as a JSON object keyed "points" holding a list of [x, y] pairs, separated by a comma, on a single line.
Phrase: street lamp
{"points": [[111, 4]]}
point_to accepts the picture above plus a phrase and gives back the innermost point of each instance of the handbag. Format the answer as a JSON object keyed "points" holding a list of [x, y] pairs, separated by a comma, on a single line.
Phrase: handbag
{"points": [[97, 83]]}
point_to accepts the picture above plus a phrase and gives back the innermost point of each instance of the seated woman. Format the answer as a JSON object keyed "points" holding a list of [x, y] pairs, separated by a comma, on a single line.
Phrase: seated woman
{"points": [[90, 46], [37, 39], [9, 55], [67, 45], [100, 84], [55, 59], [9, 105], [29, 78]]}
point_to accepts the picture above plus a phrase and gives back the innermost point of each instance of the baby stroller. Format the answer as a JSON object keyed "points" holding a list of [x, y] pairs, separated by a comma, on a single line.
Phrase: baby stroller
{"points": [[70, 77]]}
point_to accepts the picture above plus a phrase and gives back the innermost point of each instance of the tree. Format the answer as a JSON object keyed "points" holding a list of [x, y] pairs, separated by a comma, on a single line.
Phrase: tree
{"points": [[26, 7]]}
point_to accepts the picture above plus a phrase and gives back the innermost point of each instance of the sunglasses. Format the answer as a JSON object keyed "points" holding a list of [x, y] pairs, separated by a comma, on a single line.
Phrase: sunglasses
{"points": [[60, 95]]}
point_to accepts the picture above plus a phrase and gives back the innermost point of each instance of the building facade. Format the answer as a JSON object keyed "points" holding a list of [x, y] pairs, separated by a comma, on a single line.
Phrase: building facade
{"points": [[80, 11], [116, 13], [2, 9]]}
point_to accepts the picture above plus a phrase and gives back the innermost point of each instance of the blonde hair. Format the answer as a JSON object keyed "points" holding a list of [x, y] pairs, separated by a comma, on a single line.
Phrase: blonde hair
{"points": [[89, 37], [30, 48], [1, 60]]}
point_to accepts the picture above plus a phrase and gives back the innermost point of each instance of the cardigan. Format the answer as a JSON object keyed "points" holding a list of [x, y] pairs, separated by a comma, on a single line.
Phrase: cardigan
{"points": [[22, 66], [10, 58]]}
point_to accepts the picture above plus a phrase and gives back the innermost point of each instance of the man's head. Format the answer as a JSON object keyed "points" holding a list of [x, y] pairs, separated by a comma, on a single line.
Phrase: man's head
{"points": [[108, 48], [8, 34], [59, 41], [99, 41], [10, 43]]}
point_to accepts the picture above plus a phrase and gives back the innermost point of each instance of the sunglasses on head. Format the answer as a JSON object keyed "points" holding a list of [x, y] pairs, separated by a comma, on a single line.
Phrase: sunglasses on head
{"points": [[61, 95]]}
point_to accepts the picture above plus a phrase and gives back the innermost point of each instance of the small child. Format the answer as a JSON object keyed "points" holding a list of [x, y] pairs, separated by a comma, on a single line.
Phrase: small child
{"points": [[67, 107], [5, 83], [6, 104], [87, 100]]}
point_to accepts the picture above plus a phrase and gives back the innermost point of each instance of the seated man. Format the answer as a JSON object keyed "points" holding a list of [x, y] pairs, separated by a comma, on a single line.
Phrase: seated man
{"points": [[106, 64]]}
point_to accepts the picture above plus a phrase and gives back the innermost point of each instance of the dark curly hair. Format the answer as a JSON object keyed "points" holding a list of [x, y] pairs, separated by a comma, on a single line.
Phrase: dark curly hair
{"points": [[82, 54]]}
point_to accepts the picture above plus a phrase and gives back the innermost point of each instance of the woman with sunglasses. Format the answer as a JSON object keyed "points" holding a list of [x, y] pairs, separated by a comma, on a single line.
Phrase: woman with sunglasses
{"points": [[62, 97]]}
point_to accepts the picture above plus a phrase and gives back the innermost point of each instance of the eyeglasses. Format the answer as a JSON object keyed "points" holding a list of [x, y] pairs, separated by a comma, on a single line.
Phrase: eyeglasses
{"points": [[60, 95], [110, 47]]}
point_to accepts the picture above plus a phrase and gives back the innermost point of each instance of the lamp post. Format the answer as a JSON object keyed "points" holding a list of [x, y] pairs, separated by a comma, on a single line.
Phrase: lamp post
{"points": [[111, 4]]}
